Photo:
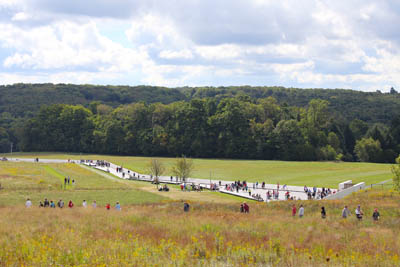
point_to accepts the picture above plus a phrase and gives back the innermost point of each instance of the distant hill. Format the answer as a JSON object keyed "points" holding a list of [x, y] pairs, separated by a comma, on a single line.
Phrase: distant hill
{"points": [[371, 107], [24, 100]]}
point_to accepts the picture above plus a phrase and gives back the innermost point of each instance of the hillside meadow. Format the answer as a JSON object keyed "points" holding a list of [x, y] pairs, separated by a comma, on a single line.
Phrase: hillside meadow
{"points": [[152, 229], [161, 234], [327, 174]]}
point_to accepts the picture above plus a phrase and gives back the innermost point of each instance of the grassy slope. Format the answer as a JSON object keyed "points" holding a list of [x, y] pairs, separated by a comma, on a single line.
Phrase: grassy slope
{"points": [[38, 181], [209, 235], [327, 174]]}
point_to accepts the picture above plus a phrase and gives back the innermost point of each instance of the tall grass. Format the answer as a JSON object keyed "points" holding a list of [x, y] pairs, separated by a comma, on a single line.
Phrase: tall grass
{"points": [[161, 234]]}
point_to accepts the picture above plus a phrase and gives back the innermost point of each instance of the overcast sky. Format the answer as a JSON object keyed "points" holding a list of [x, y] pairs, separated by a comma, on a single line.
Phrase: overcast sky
{"points": [[293, 43]]}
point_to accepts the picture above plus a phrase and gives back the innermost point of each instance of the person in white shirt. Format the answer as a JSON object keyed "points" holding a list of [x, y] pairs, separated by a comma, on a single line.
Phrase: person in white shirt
{"points": [[301, 211], [359, 213], [84, 204], [94, 204], [28, 203]]}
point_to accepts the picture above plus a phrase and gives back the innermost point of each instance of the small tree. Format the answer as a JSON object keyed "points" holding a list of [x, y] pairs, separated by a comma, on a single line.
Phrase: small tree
{"points": [[156, 168], [396, 174], [183, 168]]}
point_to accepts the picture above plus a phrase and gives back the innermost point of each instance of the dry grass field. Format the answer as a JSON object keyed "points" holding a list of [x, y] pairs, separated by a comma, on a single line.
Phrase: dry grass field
{"points": [[152, 229], [161, 234]]}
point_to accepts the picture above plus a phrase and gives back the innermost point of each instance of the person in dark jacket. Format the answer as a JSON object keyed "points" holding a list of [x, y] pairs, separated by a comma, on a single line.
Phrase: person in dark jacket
{"points": [[323, 213], [376, 215], [186, 207]]}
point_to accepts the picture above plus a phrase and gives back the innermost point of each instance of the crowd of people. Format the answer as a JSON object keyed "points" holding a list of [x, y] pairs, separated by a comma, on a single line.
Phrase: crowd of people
{"points": [[273, 193], [345, 212], [318, 193], [103, 163], [244, 208], [236, 186], [191, 187], [60, 204]]}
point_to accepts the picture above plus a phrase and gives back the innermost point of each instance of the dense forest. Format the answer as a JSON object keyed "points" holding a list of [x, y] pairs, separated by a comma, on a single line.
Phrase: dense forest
{"points": [[218, 122]]}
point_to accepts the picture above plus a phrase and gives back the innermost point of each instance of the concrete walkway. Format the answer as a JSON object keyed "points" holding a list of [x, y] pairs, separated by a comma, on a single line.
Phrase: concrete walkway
{"points": [[295, 191]]}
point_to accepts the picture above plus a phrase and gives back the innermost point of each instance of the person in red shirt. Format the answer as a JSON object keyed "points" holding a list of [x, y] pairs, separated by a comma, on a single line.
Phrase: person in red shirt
{"points": [[246, 208], [108, 207], [70, 204], [294, 210]]}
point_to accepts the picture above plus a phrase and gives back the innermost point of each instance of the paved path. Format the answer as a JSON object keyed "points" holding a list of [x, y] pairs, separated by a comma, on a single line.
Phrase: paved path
{"points": [[295, 191], [41, 160]]}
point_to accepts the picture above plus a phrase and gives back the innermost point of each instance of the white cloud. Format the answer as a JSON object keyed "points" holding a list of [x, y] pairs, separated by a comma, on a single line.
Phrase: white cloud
{"points": [[20, 16], [67, 45], [169, 54], [298, 43], [218, 51]]}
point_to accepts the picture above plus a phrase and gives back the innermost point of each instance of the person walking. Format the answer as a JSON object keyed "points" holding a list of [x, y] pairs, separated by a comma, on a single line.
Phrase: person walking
{"points": [[345, 212], [376, 215], [118, 206], [46, 203], [108, 206], [323, 213], [301, 211], [294, 210], [359, 213], [70, 204], [84, 204], [186, 207], [60, 204], [246, 208], [28, 203], [94, 204]]}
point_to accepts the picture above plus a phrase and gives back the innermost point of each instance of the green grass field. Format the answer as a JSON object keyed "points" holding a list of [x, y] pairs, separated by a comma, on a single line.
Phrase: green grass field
{"points": [[327, 174], [38, 181]]}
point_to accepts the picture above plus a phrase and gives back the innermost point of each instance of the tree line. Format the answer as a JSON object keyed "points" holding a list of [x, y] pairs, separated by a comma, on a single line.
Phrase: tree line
{"points": [[236, 127], [21, 102]]}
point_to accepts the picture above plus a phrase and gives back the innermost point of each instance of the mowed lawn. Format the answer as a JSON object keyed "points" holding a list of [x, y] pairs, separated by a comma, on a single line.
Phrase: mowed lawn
{"points": [[327, 174], [37, 181]]}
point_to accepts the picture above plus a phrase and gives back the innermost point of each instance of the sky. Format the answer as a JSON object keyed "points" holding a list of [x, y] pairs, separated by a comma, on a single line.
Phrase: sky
{"points": [[352, 44]]}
